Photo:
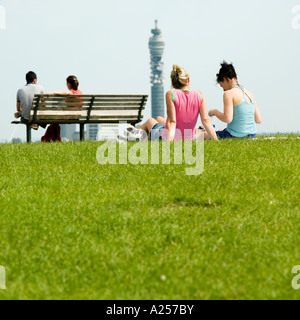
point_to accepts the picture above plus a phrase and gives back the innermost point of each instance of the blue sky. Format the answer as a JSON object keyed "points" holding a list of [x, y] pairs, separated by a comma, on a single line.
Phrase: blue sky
{"points": [[105, 44]]}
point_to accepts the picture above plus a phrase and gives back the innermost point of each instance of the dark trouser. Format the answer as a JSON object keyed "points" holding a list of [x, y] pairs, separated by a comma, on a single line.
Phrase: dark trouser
{"points": [[52, 134]]}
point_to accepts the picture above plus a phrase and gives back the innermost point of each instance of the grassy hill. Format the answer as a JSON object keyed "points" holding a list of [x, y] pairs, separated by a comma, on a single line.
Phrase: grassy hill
{"points": [[74, 229]]}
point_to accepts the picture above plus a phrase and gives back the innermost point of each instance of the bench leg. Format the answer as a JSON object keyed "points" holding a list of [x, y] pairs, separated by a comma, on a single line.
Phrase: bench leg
{"points": [[28, 133], [81, 132]]}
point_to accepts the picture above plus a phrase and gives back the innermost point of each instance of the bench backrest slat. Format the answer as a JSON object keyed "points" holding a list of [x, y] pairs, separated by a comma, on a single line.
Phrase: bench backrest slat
{"points": [[96, 104], [89, 108], [83, 113], [72, 110]]}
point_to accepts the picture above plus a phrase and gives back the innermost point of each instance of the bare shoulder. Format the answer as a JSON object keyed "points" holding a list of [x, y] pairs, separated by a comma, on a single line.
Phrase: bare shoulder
{"points": [[228, 94], [169, 94]]}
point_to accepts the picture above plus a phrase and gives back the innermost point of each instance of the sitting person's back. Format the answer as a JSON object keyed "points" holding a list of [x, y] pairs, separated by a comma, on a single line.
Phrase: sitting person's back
{"points": [[241, 112], [53, 132], [73, 84], [76, 91], [187, 105], [183, 108], [25, 96], [243, 122]]}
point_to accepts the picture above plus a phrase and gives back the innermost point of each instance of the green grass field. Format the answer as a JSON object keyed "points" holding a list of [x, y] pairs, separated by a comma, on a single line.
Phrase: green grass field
{"points": [[74, 229]]}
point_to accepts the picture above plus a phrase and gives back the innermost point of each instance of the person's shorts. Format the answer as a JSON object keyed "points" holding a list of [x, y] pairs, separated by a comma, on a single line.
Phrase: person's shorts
{"points": [[155, 134], [224, 134]]}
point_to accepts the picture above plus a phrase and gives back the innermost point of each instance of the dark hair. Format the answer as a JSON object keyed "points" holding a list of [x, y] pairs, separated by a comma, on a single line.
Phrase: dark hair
{"points": [[30, 76], [227, 71], [73, 82]]}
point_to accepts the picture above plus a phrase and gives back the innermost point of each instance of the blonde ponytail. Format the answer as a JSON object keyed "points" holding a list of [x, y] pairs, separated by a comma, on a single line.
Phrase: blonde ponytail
{"points": [[179, 77]]}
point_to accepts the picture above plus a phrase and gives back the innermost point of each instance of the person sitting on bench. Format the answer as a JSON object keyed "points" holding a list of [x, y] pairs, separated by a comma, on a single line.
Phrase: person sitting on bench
{"points": [[53, 131], [72, 85], [25, 98]]}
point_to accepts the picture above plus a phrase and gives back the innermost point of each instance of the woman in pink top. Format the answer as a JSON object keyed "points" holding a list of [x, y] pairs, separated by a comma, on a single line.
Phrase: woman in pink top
{"points": [[53, 131], [183, 108], [72, 85]]}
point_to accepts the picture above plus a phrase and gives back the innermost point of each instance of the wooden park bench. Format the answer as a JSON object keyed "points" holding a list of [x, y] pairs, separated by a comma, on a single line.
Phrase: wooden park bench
{"points": [[85, 109]]}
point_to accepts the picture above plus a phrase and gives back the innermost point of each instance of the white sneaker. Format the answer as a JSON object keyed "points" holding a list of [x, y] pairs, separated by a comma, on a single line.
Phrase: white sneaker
{"points": [[121, 139], [131, 127], [131, 134], [135, 135]]}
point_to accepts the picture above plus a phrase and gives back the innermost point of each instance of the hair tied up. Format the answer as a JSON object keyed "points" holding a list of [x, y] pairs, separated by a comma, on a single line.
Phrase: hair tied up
{"points": [[73, 81], [227, 71], [179, 77]]}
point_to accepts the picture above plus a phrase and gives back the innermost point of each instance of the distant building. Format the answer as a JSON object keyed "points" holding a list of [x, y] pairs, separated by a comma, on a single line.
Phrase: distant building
{"points": [[92, 131], [67, 131], [70, 132], [157, 46], [76, 136], [108, 132], [16, 140]]}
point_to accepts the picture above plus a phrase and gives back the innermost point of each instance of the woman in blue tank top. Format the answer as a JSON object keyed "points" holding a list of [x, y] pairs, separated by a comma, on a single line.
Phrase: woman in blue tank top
{"points": [[240, 108]]}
